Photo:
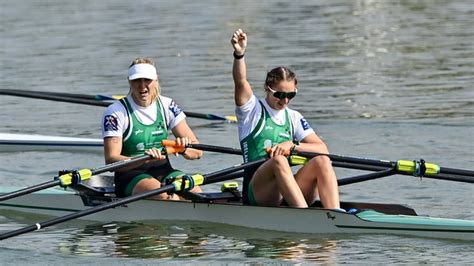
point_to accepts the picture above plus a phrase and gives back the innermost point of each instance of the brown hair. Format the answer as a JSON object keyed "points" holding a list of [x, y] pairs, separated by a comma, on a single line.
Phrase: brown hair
{"points": [[145, 60], [279, 74]]}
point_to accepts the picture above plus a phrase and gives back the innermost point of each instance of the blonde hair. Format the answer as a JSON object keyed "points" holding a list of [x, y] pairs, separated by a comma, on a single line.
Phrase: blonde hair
{"points": [[145, 60]]}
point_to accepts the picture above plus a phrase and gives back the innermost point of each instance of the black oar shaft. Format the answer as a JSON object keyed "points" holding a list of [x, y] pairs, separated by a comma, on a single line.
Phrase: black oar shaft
{"points": [[120, 164], [357, 166], [28, 190], [212, 148], [95, 171], [88, 100], [366, 177], [51, 97], [59, 94], [75, 95], [346, 159], [86, 212], [453, 171], [450, 177], [374, 165], [440, 176]]}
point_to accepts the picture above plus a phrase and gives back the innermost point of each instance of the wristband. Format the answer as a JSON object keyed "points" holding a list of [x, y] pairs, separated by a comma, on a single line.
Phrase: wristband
{"points": [[238, 57]]}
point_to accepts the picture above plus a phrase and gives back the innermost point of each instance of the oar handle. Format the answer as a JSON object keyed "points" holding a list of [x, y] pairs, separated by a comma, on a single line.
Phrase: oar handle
{"points": [[171, 145]]}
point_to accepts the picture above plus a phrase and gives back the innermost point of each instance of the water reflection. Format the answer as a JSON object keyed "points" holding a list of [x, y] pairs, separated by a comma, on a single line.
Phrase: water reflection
{"points": [[193, 240]]}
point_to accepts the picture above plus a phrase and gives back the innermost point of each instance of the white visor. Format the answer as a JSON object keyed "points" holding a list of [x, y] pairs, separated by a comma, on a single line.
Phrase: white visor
{"points": [[145, 71]]}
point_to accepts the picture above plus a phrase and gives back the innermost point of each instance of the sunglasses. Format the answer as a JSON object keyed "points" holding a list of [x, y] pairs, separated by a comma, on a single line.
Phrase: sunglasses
{"points": [[282, 95]]}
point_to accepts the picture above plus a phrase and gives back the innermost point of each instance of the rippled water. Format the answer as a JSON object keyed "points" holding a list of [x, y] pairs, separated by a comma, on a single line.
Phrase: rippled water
{"points": [[378, 79]]}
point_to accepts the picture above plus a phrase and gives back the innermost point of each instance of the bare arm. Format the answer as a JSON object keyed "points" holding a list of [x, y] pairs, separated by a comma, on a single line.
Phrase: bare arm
{"points": [[242, 89], [184, 135], [312, 143], [113, 148]]}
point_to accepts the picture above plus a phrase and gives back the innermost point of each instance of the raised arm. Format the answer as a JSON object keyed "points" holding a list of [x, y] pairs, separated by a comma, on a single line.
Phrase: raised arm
{"points": [[242, 89]]}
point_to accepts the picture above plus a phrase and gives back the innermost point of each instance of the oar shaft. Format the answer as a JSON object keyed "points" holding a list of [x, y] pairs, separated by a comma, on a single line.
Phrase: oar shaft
{"points": [[70, 95], [28, 190], [97, 97], [449, 177], [203, 147], [67, 179], [45, 96], [94, 100], [366, 177], [212, 148], [453, 171], [37, 226], [120, 164], [440, 176], [346, 159], [445, 173], [357, 166]]}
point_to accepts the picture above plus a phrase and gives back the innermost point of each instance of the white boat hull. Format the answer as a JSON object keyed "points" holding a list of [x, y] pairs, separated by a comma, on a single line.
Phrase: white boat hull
{"points": [[23, 142], [57, 202]]}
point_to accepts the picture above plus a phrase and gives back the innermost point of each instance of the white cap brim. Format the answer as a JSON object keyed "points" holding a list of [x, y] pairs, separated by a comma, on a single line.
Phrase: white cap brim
{"points": [[139, 71]]}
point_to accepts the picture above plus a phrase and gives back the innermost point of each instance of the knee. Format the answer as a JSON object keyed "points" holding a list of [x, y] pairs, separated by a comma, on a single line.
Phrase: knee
{"points": [[146, 185], [321, 161], [280, 163]]}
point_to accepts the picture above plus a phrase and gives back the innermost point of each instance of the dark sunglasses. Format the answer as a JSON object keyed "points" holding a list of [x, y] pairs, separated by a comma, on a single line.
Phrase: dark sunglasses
{"points": [[282, 95]]}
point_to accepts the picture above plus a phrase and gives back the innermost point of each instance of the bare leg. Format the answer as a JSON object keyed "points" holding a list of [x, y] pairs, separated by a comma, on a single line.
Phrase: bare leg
{"points": [[318, 176], [148, 184], [274, 181]]}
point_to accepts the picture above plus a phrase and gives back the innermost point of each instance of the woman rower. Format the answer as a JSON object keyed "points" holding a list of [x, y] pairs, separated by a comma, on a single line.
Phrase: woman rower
{"points": [[269, 123], [137, 124]]}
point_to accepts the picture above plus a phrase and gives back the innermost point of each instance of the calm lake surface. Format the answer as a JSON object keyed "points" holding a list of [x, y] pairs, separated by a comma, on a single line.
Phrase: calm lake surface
{"points": [[378, 79]]}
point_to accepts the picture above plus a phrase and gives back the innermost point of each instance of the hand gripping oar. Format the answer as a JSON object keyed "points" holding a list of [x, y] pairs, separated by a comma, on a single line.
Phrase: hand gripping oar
{"points": [[203, 147], [176, 186], [76, 176], [418, 168], [97, 100]]}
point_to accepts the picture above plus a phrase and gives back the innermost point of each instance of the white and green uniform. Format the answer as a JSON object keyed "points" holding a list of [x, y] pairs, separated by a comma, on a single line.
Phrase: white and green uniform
{"points": [[265, 135], [261, 127], [137, 137], [141, 128]]}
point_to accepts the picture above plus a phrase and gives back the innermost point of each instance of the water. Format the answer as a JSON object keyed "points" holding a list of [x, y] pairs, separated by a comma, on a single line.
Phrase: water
{"points": [[378, 79]]}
